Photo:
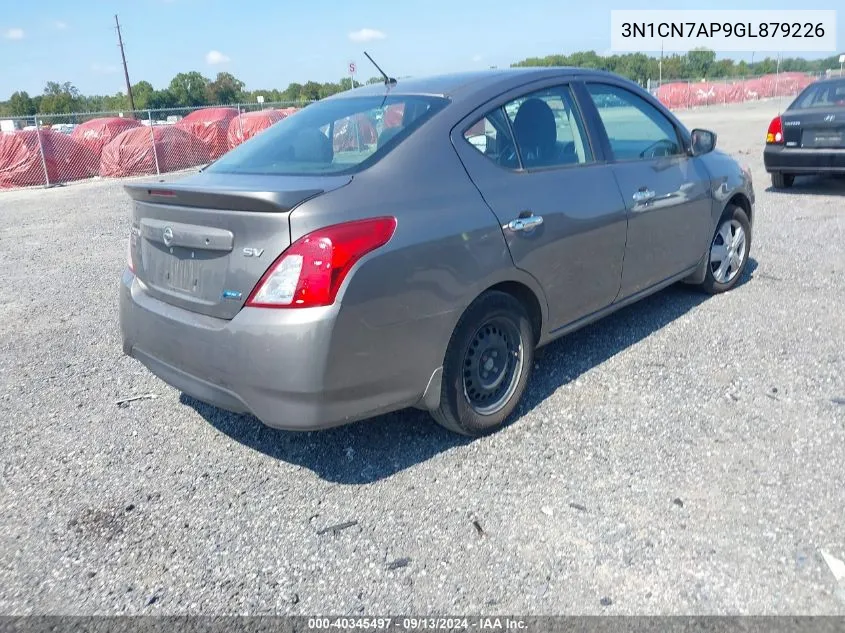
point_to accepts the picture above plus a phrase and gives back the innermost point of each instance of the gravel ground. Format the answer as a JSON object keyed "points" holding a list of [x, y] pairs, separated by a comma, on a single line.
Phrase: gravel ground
{"points": [[682, 456]]}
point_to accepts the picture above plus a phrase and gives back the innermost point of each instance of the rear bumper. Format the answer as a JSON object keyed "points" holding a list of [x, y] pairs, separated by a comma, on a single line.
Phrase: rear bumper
{"points": [[286, 367], [780, 159]]}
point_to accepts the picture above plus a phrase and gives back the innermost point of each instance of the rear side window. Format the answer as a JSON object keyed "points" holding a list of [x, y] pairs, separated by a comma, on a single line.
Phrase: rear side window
{"points": [[331, 137], [492, 137], [635, 128], [825, 95]]}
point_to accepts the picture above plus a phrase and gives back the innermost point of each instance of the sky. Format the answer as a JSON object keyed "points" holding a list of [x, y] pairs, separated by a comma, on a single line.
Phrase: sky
{"points": [[269, 43]]}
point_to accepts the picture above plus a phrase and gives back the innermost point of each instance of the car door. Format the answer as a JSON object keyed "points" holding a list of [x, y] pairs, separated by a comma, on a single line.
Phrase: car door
{"points": [[563, 218], [666, 191]]}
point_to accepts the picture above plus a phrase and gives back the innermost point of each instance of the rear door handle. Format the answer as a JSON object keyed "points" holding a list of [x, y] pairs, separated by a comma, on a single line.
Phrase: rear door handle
{"points": [[528, 223], [643, 195]]}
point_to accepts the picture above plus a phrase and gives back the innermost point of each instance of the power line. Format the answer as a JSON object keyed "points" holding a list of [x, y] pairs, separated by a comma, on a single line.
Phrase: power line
{"points": [[125, 69]]}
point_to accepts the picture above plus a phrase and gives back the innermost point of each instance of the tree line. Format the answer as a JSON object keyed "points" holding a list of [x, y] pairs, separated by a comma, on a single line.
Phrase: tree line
{"points": [[695, 65], [193, 89], [186, 90]]}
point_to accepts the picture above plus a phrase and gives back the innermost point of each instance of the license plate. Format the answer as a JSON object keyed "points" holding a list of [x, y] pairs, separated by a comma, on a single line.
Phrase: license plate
{"points": [[825, 138], [183, 274], [183, 271], [176, 269]]}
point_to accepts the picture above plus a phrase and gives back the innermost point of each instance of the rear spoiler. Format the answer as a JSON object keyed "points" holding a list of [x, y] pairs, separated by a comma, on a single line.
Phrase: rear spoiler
{"points": [[218, 197]]}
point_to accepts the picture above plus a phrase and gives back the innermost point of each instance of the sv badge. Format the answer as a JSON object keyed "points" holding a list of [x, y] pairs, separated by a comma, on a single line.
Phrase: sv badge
{"points": [[253, 252]]}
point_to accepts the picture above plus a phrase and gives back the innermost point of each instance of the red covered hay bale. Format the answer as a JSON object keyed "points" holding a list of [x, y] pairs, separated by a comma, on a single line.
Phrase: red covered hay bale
{"points": [[244, 126], [97, 133], [131, 152], [210, 125], [21, 164], [353, 133]]}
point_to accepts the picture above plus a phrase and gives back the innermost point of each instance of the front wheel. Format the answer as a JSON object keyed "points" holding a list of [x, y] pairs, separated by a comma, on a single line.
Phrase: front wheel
{"points": [[729, 251], [487, 366]]}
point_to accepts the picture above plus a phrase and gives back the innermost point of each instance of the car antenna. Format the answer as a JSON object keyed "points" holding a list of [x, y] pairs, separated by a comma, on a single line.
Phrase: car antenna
{"points": [[388, 81]]}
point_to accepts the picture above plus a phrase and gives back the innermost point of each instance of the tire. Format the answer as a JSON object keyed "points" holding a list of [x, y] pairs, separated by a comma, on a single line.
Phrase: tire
{"points": [[473, 401], [718, 278], [782, 181]]}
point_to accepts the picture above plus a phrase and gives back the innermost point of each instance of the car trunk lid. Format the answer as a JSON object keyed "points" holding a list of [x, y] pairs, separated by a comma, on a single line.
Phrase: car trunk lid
{"points": [[814, 128], [203, 243]]}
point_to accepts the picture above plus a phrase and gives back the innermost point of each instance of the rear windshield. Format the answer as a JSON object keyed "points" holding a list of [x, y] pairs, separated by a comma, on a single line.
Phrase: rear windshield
{"points": [[331, 137], [822, 95]]}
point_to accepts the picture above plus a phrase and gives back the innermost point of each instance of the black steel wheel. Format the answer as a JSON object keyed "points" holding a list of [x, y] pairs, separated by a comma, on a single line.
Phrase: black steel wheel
{"points": [[487, 365], [492, 364]]}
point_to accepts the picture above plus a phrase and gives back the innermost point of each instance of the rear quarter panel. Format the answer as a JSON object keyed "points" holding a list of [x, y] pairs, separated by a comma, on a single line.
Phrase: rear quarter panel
{"points": [[400, 304]]}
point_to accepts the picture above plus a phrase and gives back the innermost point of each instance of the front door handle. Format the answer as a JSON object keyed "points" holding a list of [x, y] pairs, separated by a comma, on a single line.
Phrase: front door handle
{"points": [[528, 223], [643, 195]]}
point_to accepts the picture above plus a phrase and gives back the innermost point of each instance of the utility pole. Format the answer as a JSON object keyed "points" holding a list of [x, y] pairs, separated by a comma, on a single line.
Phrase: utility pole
{"points": [[660, 71], [125, 69]]}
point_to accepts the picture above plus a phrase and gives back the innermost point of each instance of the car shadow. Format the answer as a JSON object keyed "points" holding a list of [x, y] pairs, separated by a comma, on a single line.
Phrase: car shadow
{"points": [[374, 449], [814, 186]]}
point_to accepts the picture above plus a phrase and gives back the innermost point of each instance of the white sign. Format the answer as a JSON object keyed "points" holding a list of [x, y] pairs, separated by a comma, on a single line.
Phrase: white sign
{"points": [[842, 59], [723, 30], [352, 68], [260, 98]]}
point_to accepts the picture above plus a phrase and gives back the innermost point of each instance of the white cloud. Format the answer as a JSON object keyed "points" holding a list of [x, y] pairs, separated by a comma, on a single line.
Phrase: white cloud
{"points": [[366, 35], [61, 26], [13, 34], [103, 69], [477, 58], [213, 58]]}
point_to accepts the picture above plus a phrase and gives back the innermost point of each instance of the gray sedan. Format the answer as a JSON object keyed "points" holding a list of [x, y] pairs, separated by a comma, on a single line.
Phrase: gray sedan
{"points": [[345, 263]]}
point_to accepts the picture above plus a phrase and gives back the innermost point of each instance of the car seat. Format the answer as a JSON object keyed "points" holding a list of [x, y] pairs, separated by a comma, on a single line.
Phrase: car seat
{"points": [[312, 146], [535, 130]]}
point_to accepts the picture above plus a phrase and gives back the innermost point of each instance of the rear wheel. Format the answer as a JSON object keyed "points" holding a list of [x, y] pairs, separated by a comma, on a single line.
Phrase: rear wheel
{"points": [[487, 366], [729, 251], [782, 181]]}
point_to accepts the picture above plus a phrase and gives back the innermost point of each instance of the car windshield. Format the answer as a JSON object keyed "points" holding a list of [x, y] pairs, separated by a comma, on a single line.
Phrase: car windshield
{"points": [[331, 137], [821, 95]]}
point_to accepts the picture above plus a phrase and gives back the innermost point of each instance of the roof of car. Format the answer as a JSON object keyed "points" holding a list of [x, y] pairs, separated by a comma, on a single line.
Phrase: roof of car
{"points": [[828, 80], [453, 85]]}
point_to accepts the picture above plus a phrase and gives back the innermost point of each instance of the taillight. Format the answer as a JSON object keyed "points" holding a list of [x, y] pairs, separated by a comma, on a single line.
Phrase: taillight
{"points": [[310, 272], [775, 133]]}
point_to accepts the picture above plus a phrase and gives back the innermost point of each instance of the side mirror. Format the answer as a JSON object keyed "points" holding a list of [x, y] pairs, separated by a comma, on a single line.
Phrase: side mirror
{"points": [[702, 142]]}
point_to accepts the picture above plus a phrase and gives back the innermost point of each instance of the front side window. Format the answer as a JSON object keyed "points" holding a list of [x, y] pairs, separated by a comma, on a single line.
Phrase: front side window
{"points": [[331, 137], [541, 129], [635, 128]]}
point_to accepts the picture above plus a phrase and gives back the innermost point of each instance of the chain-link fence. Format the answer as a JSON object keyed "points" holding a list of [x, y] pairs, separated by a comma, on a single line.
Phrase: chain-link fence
{"points": [[690, 93], [45, 150]]}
